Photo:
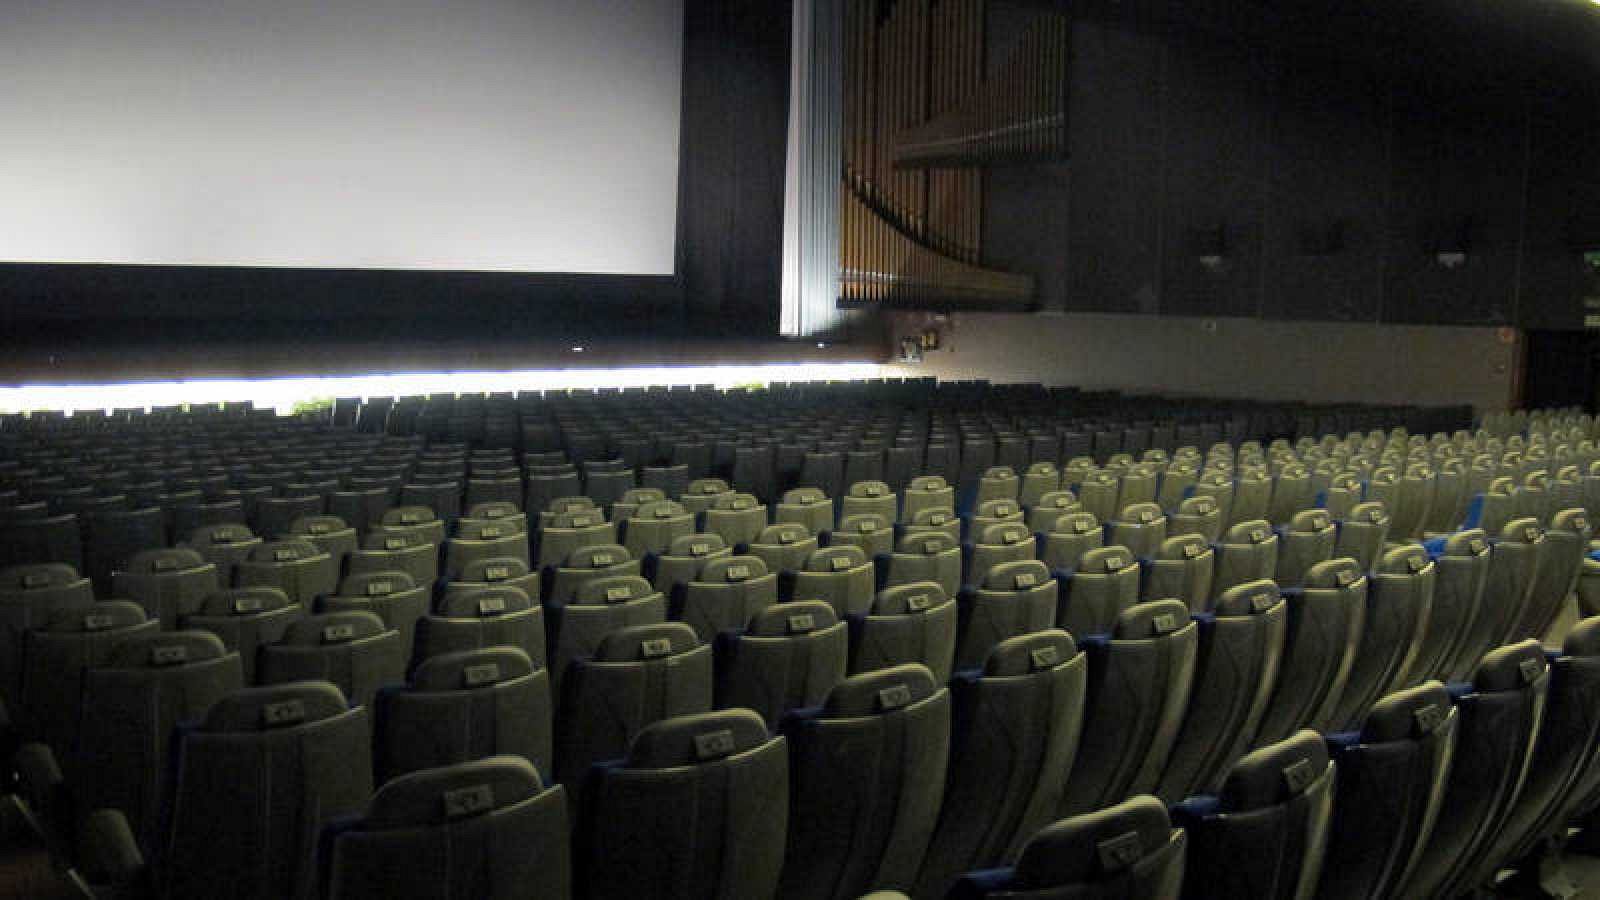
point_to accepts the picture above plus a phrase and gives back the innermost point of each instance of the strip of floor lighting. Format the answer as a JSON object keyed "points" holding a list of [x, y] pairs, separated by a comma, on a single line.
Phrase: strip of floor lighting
{"points": [[284, 394]]}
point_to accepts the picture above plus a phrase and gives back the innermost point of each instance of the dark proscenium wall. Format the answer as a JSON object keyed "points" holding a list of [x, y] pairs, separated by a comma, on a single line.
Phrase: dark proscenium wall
{"points": [[730, 194], [1325, 162]]}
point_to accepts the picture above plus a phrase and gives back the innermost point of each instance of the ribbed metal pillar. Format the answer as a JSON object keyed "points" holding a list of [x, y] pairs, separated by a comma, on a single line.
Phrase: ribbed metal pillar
{"points": [[814, 170]]}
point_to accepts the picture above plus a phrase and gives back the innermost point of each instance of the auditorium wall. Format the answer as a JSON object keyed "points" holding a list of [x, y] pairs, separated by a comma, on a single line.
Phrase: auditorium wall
{"points": [[1232, 357]]}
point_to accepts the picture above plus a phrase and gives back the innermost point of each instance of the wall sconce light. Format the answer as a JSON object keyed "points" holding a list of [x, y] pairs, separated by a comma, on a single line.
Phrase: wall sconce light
{"points": [[1452, 243]]}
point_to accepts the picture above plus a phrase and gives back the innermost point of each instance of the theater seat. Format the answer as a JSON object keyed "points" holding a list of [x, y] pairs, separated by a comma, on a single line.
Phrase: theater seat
{"points": [[783, 547], [867, 779], [1248, 551], [1017, 723], [654, 526], [1500, 714], [924, 557], [908, 623], [718, 772], [265, 770], [1454, 636], [353, 650], [484, 617], [725, 595], [1105, 584], [789, 657], [1140, 679], [1566, 542], [1306, 540], [495, 571], [1514, 558], [246, 619], [296, 567], [1200, 515], [1363, 532], [169, 583], [1015, 598], [1391, 782], [30, 597], [1236, 669], [443, 833], [57, 650], [463, 706], [1180, 569], [684, 560], [391, 596], [1326, 619], [1123, 852], [1399, 606], [586, 564], [637, 675]]}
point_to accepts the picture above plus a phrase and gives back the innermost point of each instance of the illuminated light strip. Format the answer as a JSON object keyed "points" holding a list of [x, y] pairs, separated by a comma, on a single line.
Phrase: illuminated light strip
{"points": [[282, 394]]}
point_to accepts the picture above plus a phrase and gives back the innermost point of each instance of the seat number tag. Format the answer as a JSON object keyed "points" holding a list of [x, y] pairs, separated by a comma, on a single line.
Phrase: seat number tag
{"points": [[247, 605], [286, 554], [840, 563], [800, 624], [1164, 623], [496, 573], [288, 712], [655, 648], [1025, 580], [713, 744], [894, 697], [491, 606], [164, 565], [699, 549], [1262, 602], [469, 801], [1428, 719], [738, 573], [35, 580], [1045, 658], [489, 532], [1120, 852], [1531, 669], [168, 656], [379, 588], [918, 602], [619, 594], [1346, 578], [601, 560], [96, 622], [475, 676], [1299, 775]]}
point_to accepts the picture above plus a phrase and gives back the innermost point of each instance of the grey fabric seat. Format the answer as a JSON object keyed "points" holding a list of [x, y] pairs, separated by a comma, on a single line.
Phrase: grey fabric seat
{"points": [[441, 834], [1266, 834], [599, 606], [998, 483], [329, 534], [654, 526], [587, 564], [725, 595], [569, 532], [495, 571], [274, 516], [392, 596], [1197, 515], [296, 567], [867, 780], [873, 498], [702, 492], [738, 518], [485, 540], [112, 537], [30, 596], [267, 767], [1399, 608], [841, 576], [926, 492], [407, 552], [245, 619], [1327, 617], [994, 512], [224, 546], [1124, 851], [1454, 637], [685, 558], [789, 657], [1105, 584], [1308, 538], [442, 497], [1236, 669], [722, 769], [486, 616], [638, 675], [1500, 717], [463, 706], [1248, 551], [1180, 569], [353, 650], [997, 544], [1014, 599], [924, 557], [1048, 508], [874, 534], [808, 507], [1252, 497], [1514, 558], [59, 647], [1017, 723], [909, 623], [627, 506], [784, 547], [1040, 480], [1142, 528], [1292, 493], [1391, 782], [1098, 493], [934, 521], [146, 686], [1140, 679], [1566, 542], [169, 583], [1363, 533], [412, 519]]}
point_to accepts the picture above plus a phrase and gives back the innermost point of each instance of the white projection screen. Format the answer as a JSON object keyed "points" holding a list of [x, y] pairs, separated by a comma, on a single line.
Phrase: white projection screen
{"points": [[491, 135]]}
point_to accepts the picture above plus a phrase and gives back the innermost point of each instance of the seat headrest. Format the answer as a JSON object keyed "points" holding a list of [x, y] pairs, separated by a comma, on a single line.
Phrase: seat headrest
{"points": [[492, 569], [1510, 667], [612, 589], [588, 517], [1006, 534], [639, 496], [927, 483], [697, 545], [387, 541], [696, 739], [333, 628], [863, 523], [926, 543], [999, 473], [1340, 572], [735, 502], [904, 599], [1183, 546], [1472, 542], [1063, 500], [562, 505], [1573, 520], [375, 584], [1203, 505], [1029, 653], [870, 489], [797, 617], [705, 487], [782, 534], [1106, 560], [999, 509], [1276, 773], [1151, 620], [1522, 531], [732, 569], [244, 601], [287, 551], [597, 556], [161, 649], [1411, 559], [408, 515], [882, 691], [1413, 712], [485, 602], [933, 516], [1310, 521], [165, 560], [1373, 512], [470, 669], [1020, 575], [225, 533], [636, 643], [495, 509], [507, 528], [108, 615], [805, 496], [840, 558], [317, 525], [452, 793], [37, 576], [1255, 531], [1141, 514], [275, 706], [1249, 598], [659, 509], [1094, 845]]}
